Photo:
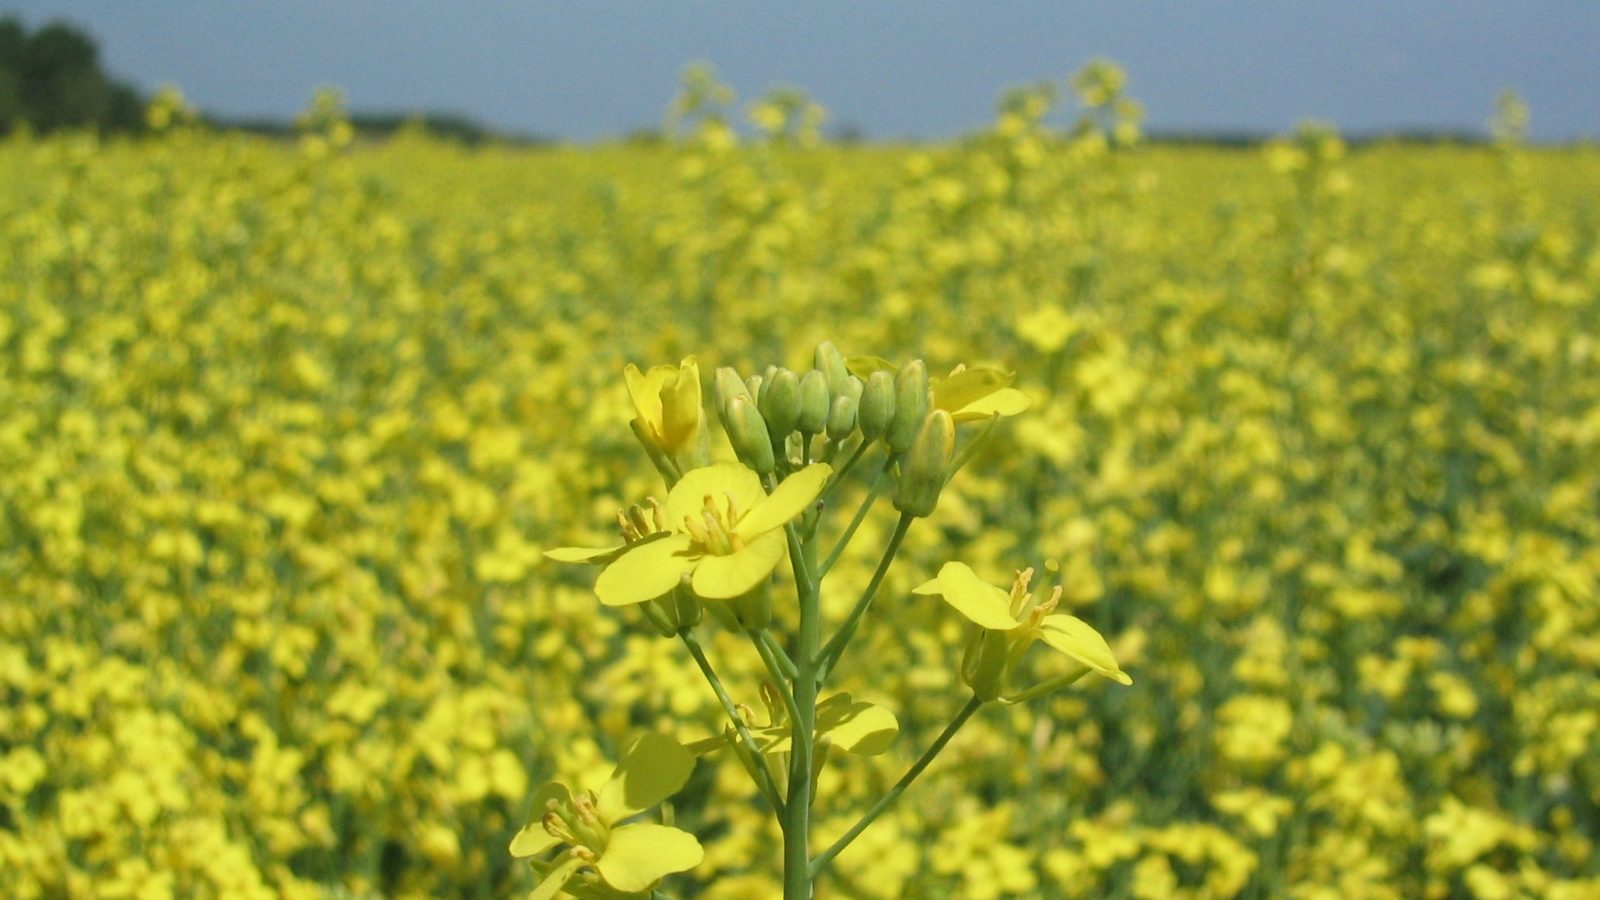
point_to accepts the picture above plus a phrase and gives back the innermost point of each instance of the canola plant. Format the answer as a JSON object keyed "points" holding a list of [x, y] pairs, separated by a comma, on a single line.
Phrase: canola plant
{"points": [[287, 429]]}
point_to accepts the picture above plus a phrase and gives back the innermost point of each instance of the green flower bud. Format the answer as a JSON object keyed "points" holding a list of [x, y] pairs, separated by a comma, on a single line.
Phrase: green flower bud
{"points": [[730, 385], [923, 467], [830, 362], [747, 432], [910, 405], [985, 667], [780, 404], [813, 403], [842, 416], [877, 406]]}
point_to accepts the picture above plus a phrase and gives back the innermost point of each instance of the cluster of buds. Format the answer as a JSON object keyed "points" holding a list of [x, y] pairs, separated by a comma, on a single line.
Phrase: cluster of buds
{"points": [[779, 420]]}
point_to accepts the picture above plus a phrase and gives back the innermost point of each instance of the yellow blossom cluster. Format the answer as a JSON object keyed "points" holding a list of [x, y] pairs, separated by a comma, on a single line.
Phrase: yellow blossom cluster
{"points": [[286, 427]]}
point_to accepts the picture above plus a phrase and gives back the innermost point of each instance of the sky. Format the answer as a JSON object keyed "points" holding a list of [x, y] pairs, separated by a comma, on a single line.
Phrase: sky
{"points": [[591, 69]]}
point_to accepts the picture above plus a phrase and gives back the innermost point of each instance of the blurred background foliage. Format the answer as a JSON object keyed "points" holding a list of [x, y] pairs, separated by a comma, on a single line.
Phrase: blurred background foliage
{"points": [[284, 427]]}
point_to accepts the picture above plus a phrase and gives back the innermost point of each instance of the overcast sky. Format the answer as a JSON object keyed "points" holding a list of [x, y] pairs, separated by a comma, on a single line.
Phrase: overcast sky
{"points": [[586, 69]]}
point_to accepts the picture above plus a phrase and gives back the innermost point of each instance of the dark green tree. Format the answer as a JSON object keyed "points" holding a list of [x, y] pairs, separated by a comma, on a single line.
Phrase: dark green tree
{"points": [[51, 79]]}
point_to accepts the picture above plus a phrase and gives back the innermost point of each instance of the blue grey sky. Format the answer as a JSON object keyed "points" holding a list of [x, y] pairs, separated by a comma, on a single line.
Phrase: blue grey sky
{"points": [[589, 69]]}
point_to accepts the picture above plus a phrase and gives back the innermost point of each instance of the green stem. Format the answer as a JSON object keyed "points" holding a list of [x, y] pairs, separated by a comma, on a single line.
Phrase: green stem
{"points": [[763, 780], [840, 473], [855, 521], [786, 666], [797, 815], [821, 862], [831, 653]]}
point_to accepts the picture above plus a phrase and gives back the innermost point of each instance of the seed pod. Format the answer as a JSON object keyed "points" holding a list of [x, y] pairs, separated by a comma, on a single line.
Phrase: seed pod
{"points": [[780, 404], [814, 403], [830, 362], [910, 405], [923, 467], [877, 406], [747, 432]]}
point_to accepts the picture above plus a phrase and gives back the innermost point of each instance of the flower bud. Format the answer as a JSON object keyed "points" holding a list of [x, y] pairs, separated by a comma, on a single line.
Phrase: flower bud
{"points": [[730, 385], [910, 405], [985, 667], [923, 467], [747, 432], [813, 403], [830, 362], [877, 405], [842, 416], [780, 403]]}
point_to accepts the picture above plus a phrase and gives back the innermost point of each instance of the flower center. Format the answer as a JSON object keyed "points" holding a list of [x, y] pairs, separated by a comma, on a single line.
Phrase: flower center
{"points": [[712, 530]]}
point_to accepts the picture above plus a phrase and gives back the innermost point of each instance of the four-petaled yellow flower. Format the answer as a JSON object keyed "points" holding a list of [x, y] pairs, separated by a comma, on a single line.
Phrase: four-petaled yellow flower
{"points": [[1012, 621], [628, 858], [727, 535]]}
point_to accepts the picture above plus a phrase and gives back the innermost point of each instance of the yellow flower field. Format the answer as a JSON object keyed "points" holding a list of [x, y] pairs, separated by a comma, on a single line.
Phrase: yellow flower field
{"points": [[1313, 441]]}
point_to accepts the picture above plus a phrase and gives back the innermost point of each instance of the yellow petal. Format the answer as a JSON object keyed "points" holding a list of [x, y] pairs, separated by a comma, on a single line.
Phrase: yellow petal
{"points": [[556, 879], [980, 602], [533, 840], [1005, 402], [968, 386], [726, 577], [653, 769], [680, 405], [1078, 639], [862, 367], [789, 500], [856, 726], [644, 389], [639, 855], [645, 572], [717, 481]]}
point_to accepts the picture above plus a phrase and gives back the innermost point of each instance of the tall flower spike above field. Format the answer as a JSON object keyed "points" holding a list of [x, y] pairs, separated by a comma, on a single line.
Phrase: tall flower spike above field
{"points": [[1010, 622], [627, 858], [727, 535]]}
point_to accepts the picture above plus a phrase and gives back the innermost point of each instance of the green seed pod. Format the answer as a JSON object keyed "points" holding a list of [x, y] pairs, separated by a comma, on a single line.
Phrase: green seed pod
{"points": [[842, 417], [830, 362], [985, 665], [730, 385], [747, 432], [780, 404], [877, 405], [814, 403], [910, 405], [923, 467]]}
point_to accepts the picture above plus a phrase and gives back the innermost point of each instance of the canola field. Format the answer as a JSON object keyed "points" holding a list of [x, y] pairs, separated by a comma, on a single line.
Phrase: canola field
{"points": [[286, 426]]}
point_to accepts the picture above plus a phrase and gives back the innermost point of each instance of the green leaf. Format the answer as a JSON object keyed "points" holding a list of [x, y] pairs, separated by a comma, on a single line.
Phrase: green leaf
{"points": [[726, 577], [639, 855], [787, 501], [653, 768], [645, 572], [982, 603], [1078, 639]]}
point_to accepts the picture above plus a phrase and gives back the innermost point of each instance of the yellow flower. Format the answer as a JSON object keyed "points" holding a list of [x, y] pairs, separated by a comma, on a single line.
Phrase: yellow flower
{"points": [[670, 418], [728, 535], [1010, 623], [630, 858]]}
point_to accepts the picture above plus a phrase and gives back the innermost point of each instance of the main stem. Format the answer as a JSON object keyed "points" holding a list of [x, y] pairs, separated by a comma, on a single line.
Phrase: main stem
{"points": [[797, 806]]}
